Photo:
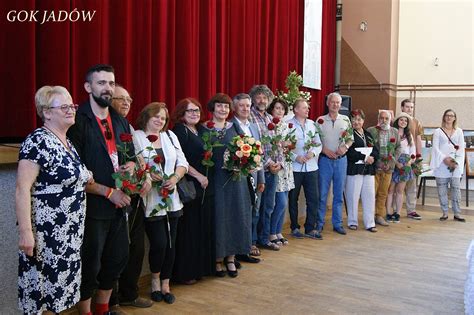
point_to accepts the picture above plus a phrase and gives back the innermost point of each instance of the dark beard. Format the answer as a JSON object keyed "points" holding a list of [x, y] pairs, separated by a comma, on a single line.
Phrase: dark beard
{"points": [[101, 101]]}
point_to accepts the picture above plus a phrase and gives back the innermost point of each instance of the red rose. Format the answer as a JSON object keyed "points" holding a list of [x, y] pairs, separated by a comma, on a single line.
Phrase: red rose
{"points": [[456, 147], [392, 140], [369, 145], [413, 156], [207, 155], [418, 155], [378, 127], [257, 146], [127, 185], [147, 166], [344, 133], [290, 125], [140, 174], [125, 137], [244, 160], [164, 192], [276, 120], [402, 171], [158, 159], [234, 158], [389, 157], [242, 136], [152, 138], [271, 126], [210, 124], [320, 121]]}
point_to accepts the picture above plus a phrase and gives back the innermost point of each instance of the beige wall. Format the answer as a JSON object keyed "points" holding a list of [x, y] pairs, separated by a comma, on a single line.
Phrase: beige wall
{"points": [[430, 29]]}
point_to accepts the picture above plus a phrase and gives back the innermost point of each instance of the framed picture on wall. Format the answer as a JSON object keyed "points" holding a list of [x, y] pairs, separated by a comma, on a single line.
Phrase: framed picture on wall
{"points": [[469, 161]]}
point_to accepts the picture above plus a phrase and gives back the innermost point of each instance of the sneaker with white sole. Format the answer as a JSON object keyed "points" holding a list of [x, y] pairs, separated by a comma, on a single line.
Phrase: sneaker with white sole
{"points": [[297, 234], [413, 215]]}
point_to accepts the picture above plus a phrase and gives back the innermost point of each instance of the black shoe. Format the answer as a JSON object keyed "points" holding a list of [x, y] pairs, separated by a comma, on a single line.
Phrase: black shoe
{"points": [[156, 296], [169, 298], [231, 273], [237, 263], [247, 258], [460, 219], [220, 273]]}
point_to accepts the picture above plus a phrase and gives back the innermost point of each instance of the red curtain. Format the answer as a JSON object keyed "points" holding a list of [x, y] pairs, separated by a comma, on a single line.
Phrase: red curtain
{"points": [[162, 50]]}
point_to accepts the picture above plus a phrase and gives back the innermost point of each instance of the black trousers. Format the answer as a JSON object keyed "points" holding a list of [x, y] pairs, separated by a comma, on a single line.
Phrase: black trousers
{"points": [[104, 253], [161, 256], [126, 288]]}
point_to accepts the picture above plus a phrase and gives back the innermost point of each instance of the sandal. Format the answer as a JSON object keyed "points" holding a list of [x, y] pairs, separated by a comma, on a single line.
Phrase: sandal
{"points": [[284, 241], [353, 227], [254, 251], [220, 273], [276, 241], [271, 246], [372, 229], [231, 273], [444, 217]]}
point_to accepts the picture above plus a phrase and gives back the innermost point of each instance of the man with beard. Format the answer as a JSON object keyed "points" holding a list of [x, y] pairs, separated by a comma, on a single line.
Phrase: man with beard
{"points": [[387, 142], [96, 136], [125, 290], [261, 98]]}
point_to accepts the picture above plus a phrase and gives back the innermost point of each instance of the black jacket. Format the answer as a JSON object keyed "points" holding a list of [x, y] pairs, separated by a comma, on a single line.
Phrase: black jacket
{"points": [[353, 156], [89, 142]]}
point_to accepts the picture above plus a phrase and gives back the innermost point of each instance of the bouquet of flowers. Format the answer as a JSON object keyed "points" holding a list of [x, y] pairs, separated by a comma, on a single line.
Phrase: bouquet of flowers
{"points": [[243, 156], [292, 83], [129, 182], [281, 142], [417, 165], [348, 134], [405, 173], [453, 163]]}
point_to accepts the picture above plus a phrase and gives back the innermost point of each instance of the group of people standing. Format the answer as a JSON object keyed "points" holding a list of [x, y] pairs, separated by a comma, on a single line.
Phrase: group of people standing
{"points": [[73, 247]]}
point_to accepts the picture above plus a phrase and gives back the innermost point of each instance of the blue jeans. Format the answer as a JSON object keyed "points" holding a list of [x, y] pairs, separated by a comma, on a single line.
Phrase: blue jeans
{"points": [[309, 181], [278, 215], [255, 217], [266, 207], [335, 171]]}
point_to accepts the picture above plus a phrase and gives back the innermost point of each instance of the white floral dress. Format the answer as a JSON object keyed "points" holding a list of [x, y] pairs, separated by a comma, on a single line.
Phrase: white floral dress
{"points": [[50, 279]]}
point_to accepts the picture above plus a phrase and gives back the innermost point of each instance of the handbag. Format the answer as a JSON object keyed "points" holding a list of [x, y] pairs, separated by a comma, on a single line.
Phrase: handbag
{"points": [[185, 187]]}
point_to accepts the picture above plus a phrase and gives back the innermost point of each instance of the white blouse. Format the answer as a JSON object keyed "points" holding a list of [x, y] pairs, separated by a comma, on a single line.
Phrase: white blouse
{"points": [[442, 148], [173, 156]]}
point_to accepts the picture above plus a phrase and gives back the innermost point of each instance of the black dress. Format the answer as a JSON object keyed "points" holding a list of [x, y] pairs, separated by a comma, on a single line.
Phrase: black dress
{"points": [[195, 241]]}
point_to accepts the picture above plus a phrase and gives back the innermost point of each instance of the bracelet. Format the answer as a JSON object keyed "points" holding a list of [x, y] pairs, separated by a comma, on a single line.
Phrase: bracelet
{"points": [[109, 193], [177, 177]]}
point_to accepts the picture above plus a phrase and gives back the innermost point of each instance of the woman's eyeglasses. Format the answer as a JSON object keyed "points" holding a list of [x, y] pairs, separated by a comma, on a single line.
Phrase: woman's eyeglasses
{"points": [[108, 132], [195, 111], [66, 107]]}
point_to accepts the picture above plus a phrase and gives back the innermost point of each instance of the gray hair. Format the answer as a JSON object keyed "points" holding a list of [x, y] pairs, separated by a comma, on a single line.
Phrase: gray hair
{"points": [[241, 96], [331, 95], [45, 95], [387, 112], [261, 89]]}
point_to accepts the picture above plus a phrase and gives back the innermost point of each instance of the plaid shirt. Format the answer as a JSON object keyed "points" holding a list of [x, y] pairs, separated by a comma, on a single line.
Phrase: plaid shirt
{"points": [[262, 124]]}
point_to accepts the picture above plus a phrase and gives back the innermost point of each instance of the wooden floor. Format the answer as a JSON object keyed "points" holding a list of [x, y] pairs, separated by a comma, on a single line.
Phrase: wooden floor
{"points": [[413, 267]]}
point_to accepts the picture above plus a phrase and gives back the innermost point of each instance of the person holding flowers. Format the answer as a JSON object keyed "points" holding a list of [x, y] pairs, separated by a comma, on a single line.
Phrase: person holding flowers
{"points": [[387, 143], [233, 218], [337, 137], [166, 163], [195, 239], [360, 182], [96, 136], [403, 167], [241, 108], [285, 140], [305, 171], [447, 163]]}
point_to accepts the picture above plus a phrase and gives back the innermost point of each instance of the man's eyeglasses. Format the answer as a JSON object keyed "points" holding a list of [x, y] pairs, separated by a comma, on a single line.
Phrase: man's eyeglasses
{"points": [[66, 107], [108, 132], [195, 111], [123, 99]]}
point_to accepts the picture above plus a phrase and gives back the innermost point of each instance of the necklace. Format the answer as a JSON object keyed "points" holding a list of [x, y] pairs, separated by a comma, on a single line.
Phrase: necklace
{"points": [[362, 136], [65, 144], [195, 132], [221, 132]]}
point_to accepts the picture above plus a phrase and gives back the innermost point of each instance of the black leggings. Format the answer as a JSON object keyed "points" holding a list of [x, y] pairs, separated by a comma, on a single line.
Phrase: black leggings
{"points": [[161, 256]]}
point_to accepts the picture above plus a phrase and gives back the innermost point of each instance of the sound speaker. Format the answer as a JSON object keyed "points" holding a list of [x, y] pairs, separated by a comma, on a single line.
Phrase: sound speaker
{"points": [[346, 105]]}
